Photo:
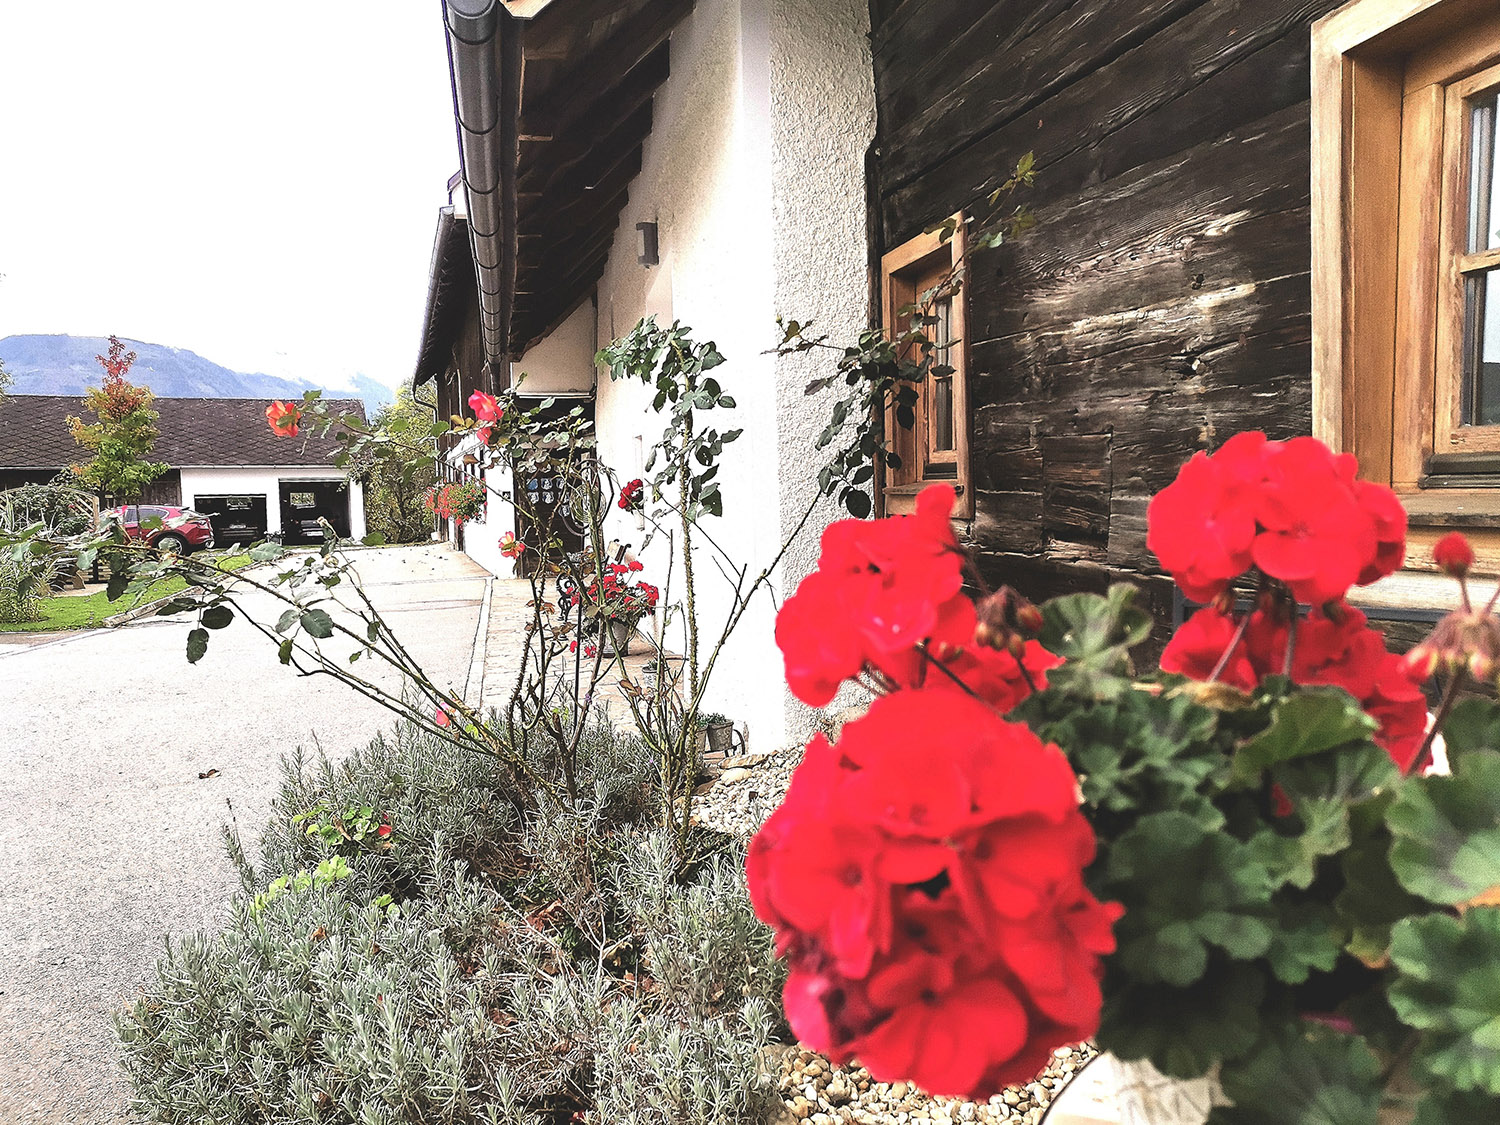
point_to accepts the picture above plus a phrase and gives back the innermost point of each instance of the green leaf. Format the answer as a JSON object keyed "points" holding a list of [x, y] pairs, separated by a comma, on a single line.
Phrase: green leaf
{"points": [[1442, 1107], [317, 623], [1313, 721], [115, 589], [217, 617], [857, 503], [286, 620], [374, 539], [1474, 724], [1447, 986], [284, 651], [1447, 831], [1292, 857], [1217, 897], [1185, 1031], [197, 645], [1302, 1074], [1306, 939], [1372, 899], [1094, 634]]}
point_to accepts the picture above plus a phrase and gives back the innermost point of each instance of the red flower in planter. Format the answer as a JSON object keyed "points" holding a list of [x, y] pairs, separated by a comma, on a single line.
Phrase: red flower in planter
{"points": [[881, 590], [284, 418], [924, 877], [1294, 509], [1336, 649]]}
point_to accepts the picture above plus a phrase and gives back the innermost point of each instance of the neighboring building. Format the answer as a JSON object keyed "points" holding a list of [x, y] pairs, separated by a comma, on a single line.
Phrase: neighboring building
{"points": [[1215, 250], [225, 462]]}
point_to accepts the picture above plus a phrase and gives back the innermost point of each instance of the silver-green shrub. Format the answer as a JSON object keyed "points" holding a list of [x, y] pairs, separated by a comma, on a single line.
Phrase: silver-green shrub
{"points": [[498, 960]]}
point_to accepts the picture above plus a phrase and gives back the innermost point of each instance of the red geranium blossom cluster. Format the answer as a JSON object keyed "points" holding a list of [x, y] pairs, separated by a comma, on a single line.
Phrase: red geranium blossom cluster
{"points": [[1334, 648], [1293, 509], [632, 495], [924, 874], [887, 601], [616, 596]]}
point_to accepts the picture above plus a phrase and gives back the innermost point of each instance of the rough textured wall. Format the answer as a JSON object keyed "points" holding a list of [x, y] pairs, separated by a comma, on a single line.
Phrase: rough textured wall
{"points": [[823, 120], [705, 181], [1162, 302]]}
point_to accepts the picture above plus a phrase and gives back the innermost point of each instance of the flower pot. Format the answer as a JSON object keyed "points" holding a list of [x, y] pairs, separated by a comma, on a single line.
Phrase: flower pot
{"points": [[1134, 1093], [721, 737], [616, 637]]}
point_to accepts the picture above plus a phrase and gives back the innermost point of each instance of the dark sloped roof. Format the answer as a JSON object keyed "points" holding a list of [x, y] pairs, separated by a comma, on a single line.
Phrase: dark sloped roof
{"points": [[221, 432]]}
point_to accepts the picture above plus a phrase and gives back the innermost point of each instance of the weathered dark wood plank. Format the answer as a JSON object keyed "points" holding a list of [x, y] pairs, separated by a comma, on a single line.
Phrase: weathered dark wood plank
{"points": [[1143, 81]]}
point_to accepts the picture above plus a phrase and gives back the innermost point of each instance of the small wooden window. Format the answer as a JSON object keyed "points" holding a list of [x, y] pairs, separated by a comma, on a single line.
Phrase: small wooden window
{"points": [[1406, 254], [936, 448]]}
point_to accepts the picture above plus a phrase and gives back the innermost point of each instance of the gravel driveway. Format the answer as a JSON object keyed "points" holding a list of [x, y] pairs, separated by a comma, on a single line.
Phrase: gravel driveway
{"points": [[108, 837]]}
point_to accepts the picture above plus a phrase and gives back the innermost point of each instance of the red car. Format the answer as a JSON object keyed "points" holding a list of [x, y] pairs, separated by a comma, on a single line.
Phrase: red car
{"points": [[180, 530]]}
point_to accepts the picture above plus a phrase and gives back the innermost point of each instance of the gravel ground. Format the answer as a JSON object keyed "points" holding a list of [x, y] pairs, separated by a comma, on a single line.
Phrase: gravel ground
{"points": [[109, 832], [813, 1089]]}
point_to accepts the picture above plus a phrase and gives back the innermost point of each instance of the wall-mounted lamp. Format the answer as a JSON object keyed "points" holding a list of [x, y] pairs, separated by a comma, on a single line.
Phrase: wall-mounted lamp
{"points": [[646, 245]]}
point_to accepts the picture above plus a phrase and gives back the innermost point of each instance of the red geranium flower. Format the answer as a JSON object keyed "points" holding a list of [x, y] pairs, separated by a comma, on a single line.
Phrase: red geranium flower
{"points": [[1294, 509], [1453, 554], [284, 418], [1336, 649], [882, 589], [924, 877]]}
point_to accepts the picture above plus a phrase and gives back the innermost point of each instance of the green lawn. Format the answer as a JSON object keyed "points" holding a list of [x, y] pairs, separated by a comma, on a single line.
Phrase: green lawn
{"points": [[85, 611]]}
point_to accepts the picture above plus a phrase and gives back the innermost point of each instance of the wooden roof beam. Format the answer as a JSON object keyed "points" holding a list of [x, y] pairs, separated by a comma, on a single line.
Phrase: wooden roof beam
{"points": [[602, 69]]}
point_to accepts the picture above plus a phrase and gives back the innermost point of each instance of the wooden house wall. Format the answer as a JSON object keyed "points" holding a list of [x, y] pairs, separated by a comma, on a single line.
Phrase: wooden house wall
{"points": [[1161, 304]]}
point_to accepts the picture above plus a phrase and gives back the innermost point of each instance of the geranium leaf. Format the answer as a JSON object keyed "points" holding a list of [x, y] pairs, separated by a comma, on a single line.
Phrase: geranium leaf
{"points": [[1185, 1031], [1441, 1107], [1473, 725], [1292, 857], [1218, 896], [1302, 1075], [1313, 721], [1093, 634], [1447, 831], [1448, 987], [1306, 939]]}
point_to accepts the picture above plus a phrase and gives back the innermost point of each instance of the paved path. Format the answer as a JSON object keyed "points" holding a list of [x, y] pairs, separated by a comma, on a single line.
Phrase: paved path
{"points": [[509, 616], [108, 839]]}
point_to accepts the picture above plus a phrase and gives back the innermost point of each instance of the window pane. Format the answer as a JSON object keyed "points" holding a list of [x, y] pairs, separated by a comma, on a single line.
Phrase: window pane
{"points": [[942, 385], [1484, 206], [1481, 400]]}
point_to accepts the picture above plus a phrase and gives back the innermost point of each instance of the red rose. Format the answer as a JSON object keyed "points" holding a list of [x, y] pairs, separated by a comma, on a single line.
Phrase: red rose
{"points": [[486, 407], [632, 494], [284, 418]]}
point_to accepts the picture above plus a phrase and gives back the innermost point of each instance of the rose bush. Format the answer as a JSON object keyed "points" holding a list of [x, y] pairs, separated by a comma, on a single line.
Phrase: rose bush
{"points": [[1239, 864]]}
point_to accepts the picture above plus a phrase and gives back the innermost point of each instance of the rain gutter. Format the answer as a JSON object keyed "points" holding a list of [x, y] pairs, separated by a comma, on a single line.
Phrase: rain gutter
{"points": [[484, 62]]}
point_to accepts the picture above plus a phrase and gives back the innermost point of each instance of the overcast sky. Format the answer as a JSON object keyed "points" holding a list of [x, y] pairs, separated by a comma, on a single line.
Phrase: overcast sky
{"points": [[258, 183]]}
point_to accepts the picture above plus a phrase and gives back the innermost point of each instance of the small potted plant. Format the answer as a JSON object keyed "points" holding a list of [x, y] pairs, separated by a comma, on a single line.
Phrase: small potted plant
{"points": [[616, 600], [459, 501], [718, 732]]}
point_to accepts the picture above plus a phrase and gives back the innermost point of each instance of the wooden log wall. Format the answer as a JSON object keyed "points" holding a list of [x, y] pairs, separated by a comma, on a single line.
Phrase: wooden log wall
{"points": [[1162, 302]]}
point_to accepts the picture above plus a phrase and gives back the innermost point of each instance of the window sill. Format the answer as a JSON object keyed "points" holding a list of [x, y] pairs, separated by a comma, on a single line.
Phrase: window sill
{"points": [[1453, 507]]}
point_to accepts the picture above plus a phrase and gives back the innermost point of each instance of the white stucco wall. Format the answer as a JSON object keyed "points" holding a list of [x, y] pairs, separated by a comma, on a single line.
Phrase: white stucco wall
{"points": [[754, 173], [823, 122], [563, 363], [267, 482]]}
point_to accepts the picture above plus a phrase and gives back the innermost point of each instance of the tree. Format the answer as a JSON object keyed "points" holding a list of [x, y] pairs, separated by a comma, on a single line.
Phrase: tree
{"points": [[124, 434], [396, 486], [5, 380]]}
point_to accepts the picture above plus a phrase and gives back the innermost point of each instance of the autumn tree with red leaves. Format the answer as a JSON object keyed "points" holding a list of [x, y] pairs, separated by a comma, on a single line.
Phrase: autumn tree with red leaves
{"points": [[123, 436]]}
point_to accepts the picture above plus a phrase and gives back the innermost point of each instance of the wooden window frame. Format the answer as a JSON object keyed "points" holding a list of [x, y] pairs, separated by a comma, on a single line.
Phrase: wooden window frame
{"points": [[1382, 359], [901, 271]]}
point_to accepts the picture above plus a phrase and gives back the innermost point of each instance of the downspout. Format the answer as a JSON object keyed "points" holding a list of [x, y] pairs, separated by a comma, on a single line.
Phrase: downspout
{"points": [[484, 63]]}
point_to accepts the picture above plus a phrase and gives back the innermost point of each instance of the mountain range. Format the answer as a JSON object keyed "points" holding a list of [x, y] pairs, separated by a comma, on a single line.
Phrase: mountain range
{"points": [[64, 365]]}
